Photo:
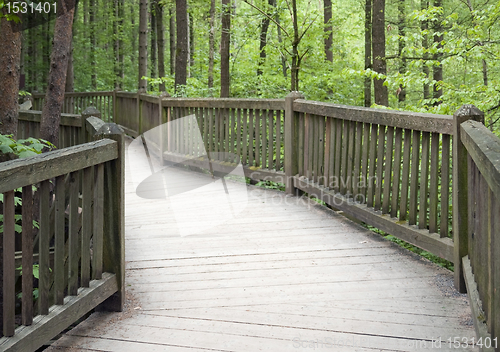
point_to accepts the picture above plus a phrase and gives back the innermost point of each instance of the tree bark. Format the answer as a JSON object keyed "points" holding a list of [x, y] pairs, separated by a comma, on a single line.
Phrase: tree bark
{"points": [[368, 52], [172, 41], [264, 27], [294, 81], [116, 44], [328, 30], [378, 43], [181, 52], [401, 44], [154, 45], [437, 69], [191, 42], [225, 43], [425, 69], [54, 98], [10, 60], [143, 44], [160, 33], [93, 43], [211, 45]]}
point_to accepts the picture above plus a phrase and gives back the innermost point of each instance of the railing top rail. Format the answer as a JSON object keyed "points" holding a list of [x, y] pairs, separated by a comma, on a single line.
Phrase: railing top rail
{"points": [[402, 119], [484, 148], [78, 94], [235, 103], [28, 171], [35, 116]]}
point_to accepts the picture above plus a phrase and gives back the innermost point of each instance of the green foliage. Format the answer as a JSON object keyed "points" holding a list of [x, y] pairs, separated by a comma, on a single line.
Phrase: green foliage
{"points": [[23, 148], [271, 185]]}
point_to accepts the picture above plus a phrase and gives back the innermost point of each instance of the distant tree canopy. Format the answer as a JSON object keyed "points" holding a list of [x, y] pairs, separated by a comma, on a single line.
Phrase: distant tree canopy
{"points": [[426, 55]]}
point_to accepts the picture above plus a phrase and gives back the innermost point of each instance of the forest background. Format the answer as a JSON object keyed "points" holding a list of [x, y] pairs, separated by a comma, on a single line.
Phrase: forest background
{"points": [[418, 55]]}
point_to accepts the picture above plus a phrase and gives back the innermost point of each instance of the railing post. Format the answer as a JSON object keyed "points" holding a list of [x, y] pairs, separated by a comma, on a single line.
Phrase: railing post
{"points": [[139, 110], [460, 191], [291, 162], [90, 111], [115, 115], [114, 217]]}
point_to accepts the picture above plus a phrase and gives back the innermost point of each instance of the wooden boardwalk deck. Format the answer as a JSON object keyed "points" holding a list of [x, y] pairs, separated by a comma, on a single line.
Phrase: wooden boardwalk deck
{"points": [[285, 274]]}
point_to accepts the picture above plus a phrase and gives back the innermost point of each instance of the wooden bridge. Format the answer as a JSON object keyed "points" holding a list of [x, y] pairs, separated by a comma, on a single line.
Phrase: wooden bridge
{"points": [[281, 271]]}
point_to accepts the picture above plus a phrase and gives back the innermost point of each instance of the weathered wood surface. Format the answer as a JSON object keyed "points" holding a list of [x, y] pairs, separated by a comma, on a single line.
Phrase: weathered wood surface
{"points": [[235, 103], [285, 274]]}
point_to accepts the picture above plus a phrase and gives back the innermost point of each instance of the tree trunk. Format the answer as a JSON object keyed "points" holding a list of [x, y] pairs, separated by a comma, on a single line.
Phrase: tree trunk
{"points": [[328, 30], [181, 52], [280, 40], [143, 44], [437, 69], [294, 81], [225, 42], [70, 75], [93, 43], [425, 69], [264, 27], [116, 46], [160, 32], [172, 41], [378, 43], [191, 42], [10, 59], [401, 44], [154, 45], [368, 52], [54, 98], [211, 45]]}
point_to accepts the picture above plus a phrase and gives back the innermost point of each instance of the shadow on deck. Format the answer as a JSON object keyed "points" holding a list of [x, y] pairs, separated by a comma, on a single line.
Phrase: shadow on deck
{"points": [[280, 274]]}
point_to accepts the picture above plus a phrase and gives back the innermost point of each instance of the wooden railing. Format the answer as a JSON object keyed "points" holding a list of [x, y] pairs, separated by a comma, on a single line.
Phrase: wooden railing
{"points": [[76, 103], [482, 262], [75, 195]]}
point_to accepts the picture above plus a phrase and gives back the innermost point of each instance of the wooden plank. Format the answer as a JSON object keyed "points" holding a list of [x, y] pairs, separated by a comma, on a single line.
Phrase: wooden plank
{"points": [[226, 103], [232, 142], [433, 187], [338, 153], [424, 182], [414, 178], [278, 141], [364, 162], [388, 180], [251, 137], [245, 139], [405, 185], [264, 137], [239, 127], [73, 235], [301, 151], [257, 147], [98, 222], [328, 145], [372, 167], [27, 256], [87, 197], [495, 263], [22, 172], [271, 138], [445, 188], [380, 167], [307, 146], [345, 156], [60, 276], [357, 163], [397, 172], [401, 119], [9, 270], [43, 248], [60, 317], [350, 158]]}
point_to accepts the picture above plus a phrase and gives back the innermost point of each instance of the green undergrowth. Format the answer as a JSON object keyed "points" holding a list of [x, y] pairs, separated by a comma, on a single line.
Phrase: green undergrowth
{"points": [[423, 253]]}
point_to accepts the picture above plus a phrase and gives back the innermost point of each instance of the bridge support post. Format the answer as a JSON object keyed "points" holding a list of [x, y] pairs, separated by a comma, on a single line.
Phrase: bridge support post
{"points": [[291, 134], [90, 111], [460, 192], [114, 217]]}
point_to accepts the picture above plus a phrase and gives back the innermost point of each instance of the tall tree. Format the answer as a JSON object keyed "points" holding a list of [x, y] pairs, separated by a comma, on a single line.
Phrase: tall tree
{"points": [[182, 44], [143, 44], [154, 46], [264, 26], [51, 111], [93, 43], [171, 29], [160, 32], [211, 45], [424, 26], [368, 52], [378, 44], [437, 69], [10, 58], [401, 44], [225, 44], [327, 17]]}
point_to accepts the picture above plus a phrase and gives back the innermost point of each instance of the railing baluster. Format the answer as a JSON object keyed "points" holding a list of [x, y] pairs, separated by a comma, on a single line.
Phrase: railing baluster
{"points": [[233, 135], [264, 119], [357, 159], [251, 138], [415, 163], [372, 166], [328, 143], [343, 167], [86, 225], [350, 158], [403, 203], [380, 167], [388, 170], [97, 239], [73, 241], [43, 249], [258, 120], [307, 146], [315, 147], [396, 180], [364, 161], [445, 185], [239, 127], [9, 273], [271, 136], [424, 178], [278, 141], [433, 189], [27, 259], [59, 248], [338, 153], [301, 151], [321, 151], [245, 138]]}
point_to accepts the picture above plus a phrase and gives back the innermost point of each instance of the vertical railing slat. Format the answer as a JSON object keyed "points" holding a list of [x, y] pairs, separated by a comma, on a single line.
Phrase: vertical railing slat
{"points": [[388, 170], [380, 167], [357, 160], [9, 273], [433, 188], [86, 225], [328, 143], [364, 162], [403, 203], [372, 166], [350, 158], [415, 163], [424, 182], [396, 172], [445, 188], [97, 238], [278, 140], [59, 247], [27, 258], [245, 138], [271, 138], [73, 237], [43, 249]]}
